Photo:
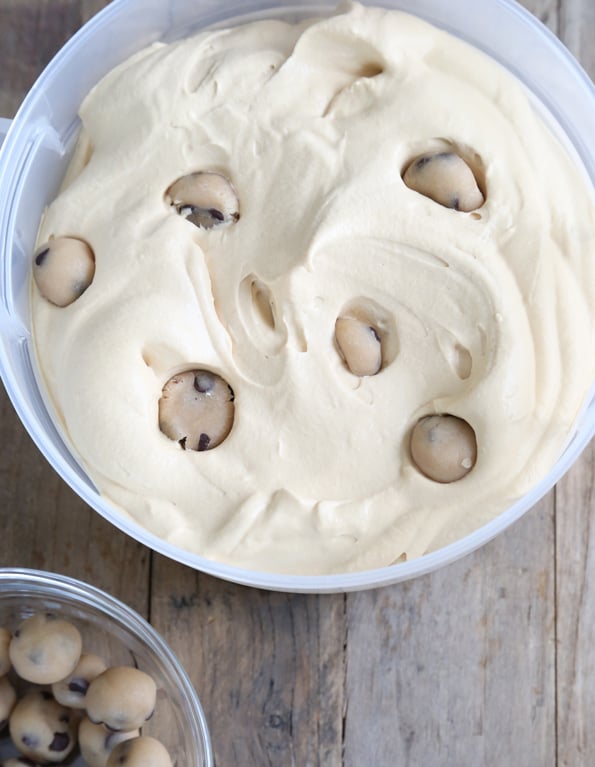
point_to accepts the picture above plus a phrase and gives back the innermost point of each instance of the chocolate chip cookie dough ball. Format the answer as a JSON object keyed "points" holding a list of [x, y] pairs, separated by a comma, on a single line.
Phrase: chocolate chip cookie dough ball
{"points": [[41, 728], [63, 269], [443, 447], [122, 698], [140, 752], [205, 198], [8, 698], [45, 649], [196, 409], [5, 637], [96, 742], [359, 345], [445, 178], [72, 690]]}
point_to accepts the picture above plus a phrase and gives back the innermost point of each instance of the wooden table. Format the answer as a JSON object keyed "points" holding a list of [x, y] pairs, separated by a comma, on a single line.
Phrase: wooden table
{"points": [[489, 662]]}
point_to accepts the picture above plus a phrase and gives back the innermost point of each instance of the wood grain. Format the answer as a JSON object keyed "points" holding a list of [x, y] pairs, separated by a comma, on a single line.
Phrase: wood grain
{"points": [[575, 572], [30, 34], [269, 666], [577, 31], [46, 526], [487, 662], [462, 661], [575, 536]]}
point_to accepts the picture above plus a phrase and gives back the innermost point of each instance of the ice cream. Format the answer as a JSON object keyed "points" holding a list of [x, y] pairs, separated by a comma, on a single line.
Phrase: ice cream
{"points": [[482, 312]]}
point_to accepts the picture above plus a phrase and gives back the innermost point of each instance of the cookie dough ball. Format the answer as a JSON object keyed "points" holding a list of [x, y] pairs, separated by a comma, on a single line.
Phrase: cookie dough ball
{"points": [[359, 345], [72, 690], [196, 409], [140, 752], [96, 742], [122, 698], [443, 447], [5, 637], [41, 728], [63, 269], [45, 649], [445, 178], [205, 198], [8, 698]]}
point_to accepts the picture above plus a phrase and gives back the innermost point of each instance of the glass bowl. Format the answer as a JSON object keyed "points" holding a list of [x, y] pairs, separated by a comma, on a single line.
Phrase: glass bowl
{"points": [[121, 637]]}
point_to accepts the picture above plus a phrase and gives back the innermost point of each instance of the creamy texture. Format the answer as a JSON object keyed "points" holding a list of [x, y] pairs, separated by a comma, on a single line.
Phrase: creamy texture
{"points": [[487, 315]]}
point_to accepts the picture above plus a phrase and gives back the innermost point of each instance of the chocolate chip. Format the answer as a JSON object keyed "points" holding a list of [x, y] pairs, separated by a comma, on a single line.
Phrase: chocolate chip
{"points": [[423, 161], [40, 257], [78, 685], [31, 741], [203, 442], [60, 742], [205, 219], [204, 382]]}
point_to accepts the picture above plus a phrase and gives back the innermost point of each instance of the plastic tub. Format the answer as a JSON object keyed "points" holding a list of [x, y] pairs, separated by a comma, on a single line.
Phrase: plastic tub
{"points": [[121, 637], [36, 152]]}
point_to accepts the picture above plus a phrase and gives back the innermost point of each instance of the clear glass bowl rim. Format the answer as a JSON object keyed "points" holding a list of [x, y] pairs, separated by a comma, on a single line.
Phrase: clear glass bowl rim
{"points": [[25, 582]]}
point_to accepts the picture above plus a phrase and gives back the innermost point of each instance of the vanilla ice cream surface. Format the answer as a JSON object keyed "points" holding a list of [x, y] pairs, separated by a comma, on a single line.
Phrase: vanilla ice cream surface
{"points": [[485, 315]]}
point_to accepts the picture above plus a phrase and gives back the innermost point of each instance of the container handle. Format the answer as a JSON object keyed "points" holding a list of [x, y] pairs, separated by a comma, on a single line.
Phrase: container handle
{"points": [[4, 126]]}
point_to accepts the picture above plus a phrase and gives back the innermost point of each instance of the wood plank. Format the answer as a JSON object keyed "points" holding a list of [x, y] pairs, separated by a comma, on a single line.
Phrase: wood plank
{"points": [[547, 11], [91, 7], [268, 667], [458, 667], [46, 526], [575, 559], [575, 572], [31, 32], [577, 30]]}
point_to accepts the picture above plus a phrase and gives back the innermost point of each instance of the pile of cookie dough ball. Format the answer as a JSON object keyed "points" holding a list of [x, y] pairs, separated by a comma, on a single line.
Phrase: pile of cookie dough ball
{"points": [[71, 699], [196, 408]]}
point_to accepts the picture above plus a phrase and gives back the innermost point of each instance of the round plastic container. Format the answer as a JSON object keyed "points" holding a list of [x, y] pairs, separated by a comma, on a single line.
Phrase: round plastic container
{"points": [[36, 152], [121, 637]]}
